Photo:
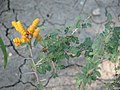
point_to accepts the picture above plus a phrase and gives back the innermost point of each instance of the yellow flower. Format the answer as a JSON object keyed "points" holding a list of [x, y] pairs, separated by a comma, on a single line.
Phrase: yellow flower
{"points": [[17, 41], [25, 39], [36, 35], [25, 33], [35, 22], [14, 24], [23, 36], [22, 30], [39, 38], [32, 27], [19, 27]]}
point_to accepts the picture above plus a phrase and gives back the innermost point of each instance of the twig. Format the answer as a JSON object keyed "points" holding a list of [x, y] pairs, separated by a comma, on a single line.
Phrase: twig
{"points": [[101, 81], [54, 69], [75, 30], [39, 62], [34, 66]]}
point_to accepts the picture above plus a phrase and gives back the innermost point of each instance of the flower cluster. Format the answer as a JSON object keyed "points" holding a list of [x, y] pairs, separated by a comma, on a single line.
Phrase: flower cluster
{"points": [[32, 31]]}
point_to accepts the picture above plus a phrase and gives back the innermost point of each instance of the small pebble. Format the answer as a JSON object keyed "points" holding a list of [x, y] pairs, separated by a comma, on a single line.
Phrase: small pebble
{"points": [[10, 54], [96, 12]]}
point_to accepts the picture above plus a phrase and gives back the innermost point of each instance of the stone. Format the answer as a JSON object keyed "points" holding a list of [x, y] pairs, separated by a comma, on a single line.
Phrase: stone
{"points": [[96, 12]]}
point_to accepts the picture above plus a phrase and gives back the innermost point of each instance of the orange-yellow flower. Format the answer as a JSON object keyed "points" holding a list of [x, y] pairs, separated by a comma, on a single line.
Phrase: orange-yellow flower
{"points": [[39, 38], [22, 30], [14, 24], [36, 35], [23, 40], [32, 31], [19, 27], [32, 27], [35, 22], [17, 41]]}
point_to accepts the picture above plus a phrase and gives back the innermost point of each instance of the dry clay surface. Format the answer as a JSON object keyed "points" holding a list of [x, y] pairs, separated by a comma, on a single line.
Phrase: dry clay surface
{"points": [[53, 14]]}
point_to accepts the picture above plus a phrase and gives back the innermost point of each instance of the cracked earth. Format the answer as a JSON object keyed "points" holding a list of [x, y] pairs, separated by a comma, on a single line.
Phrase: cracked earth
{"points": [[53, 14]]}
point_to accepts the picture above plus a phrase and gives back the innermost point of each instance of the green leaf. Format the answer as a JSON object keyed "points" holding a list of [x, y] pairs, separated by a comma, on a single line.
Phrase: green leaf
{"points": [[41, 27], [74, 51], [89, 80], [98, 73], [85, 81], [117, 68], [75, 40], [107, 26], [24, 44], [107, 39], [60, 67], [117, 29], [55, 75], [109, 17], [66, 30], [35, 42], [67, 56], [52, 49], [78, 53], [78, 24], [81, 77], [87, 44], [3, 48], [42, 69], [43, 43], [93, 77], [40, 86], [84, 70], [86, 25]]}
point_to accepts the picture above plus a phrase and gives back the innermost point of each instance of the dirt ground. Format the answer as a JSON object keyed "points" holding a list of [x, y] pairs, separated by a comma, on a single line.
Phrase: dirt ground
{"points": [[53, 14]]}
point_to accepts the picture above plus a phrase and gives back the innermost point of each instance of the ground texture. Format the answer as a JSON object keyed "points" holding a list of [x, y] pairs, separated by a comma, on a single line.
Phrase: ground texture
{"points": [[53, 14]]}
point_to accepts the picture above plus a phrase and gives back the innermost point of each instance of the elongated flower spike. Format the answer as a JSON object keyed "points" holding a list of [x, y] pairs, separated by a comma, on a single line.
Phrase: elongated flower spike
{"points": [[36, 35], [17, 41], [22, 30], [35, 22], [39, 38], [19, 27], [26, 34], [25, 39], [14, 24], [32, 27]]}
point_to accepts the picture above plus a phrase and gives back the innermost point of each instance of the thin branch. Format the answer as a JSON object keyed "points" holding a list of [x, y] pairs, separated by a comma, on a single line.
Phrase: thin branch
{"points": [[34, 66]]}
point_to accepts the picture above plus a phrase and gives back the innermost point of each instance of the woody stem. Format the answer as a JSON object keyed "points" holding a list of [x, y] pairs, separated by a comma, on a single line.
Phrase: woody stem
{"points": [[34, 66]]}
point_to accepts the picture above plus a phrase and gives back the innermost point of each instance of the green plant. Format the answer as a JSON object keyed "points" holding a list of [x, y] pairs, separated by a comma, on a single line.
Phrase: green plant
{"points": [[105, 46], [59, 46], [55, 48], [3, 48]]}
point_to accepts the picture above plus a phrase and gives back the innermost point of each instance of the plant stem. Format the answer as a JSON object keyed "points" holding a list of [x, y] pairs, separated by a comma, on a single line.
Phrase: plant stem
{"points": [[54, 68], [34, 66]]}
